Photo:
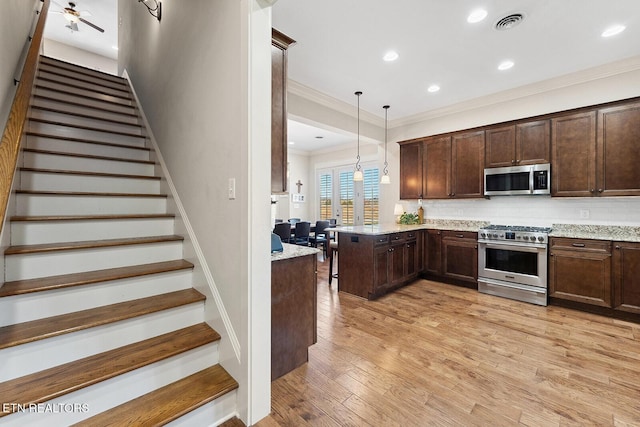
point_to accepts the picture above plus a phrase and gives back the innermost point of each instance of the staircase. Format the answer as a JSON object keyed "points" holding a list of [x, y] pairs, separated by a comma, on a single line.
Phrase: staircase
{"points": [[99, 323]]}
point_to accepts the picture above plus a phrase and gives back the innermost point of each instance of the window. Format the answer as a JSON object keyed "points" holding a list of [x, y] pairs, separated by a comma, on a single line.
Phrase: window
{"points": [[346, 197], [371, 196], [326, 196]]}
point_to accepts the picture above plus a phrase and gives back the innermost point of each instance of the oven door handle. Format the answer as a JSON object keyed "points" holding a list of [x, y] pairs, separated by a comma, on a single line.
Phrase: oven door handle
{"points": [[527, 247]]}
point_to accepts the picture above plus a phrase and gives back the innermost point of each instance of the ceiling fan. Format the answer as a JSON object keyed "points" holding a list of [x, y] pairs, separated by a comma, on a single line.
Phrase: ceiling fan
{"points": [[73, 17]]}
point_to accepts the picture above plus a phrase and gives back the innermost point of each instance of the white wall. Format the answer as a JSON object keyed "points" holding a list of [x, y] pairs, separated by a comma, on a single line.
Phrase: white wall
{"points": [[16, 22], [203, 77], [609, 83], [299, 170], [67, 53]]}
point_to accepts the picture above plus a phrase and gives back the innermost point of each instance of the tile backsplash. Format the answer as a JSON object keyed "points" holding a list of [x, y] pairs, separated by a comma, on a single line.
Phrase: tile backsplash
{"points": [[535, 210]]}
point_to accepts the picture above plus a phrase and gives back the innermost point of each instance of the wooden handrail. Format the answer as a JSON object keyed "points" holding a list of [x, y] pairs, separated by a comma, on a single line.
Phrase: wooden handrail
{"points": [[10, 143]]}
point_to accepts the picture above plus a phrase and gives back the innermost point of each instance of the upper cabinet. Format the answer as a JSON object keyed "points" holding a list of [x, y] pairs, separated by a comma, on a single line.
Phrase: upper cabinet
{"points": [[279, 45], [595, 153], [443, 167], [521, 144]]}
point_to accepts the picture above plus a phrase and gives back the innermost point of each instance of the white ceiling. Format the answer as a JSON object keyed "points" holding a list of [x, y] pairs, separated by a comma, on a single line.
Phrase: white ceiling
{"points": [[340, 44], [103, 13]]}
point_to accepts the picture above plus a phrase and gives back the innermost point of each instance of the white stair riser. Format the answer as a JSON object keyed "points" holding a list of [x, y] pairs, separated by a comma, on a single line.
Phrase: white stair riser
{"points": [[27, 307], [40, 181], [30, 204], [30, 266], [53, 72], [27, 358], [83, 92], [70, 119], [84, 100], [212, 414], [82, 83], [36, 232], [55, 144], [110, 393], [72, 132], [85, 164], [80, 109]]}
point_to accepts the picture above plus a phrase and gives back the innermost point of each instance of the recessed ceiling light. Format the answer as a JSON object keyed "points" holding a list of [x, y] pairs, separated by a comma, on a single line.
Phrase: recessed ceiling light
{"points": [[476, 16], [433, 88], [390, 56], [613, 30], [505, 65]]}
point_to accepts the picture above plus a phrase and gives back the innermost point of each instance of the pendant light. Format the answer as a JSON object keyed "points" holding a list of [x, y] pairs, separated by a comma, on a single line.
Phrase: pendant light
{"points": [[357, 174], [385, 179]]}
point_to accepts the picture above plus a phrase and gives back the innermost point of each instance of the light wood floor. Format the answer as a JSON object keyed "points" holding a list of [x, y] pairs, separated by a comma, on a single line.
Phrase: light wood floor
{"points": [[432, 354]]}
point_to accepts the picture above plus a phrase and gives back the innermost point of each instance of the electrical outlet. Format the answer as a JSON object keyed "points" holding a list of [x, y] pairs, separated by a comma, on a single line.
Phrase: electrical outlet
{"points": [[584, 213], [232, 188]]}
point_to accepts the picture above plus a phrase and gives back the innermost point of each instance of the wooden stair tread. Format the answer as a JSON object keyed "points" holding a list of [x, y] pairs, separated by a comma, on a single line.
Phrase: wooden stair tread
{"points": [[125, 96], [90, 128], [82, 77], [21, 287], [92, 107], [85, 116], [45, 218], [168, 403], [69, 377], [21, 333], [88, 193], [85, 140], [99, 98], [87, 156], [87, 173], [88, 244], [79, 69]]}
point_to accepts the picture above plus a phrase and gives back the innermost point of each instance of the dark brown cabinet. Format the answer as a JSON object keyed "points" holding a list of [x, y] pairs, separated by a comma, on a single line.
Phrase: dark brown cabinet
{"points": [[573, 151], [626, 276], [279, 45], [580, 270], [411, 171], [293, 312], [460, 255], [451, 255], [374, 265], [436, 160], [521, 144], [617, 153], [467, 165]]}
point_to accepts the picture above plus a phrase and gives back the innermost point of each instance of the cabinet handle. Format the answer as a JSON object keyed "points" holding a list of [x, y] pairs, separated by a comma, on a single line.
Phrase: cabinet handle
{"points": [[599, 190], [438, 233], [593, 190], [513, 162], [517, 161], [618, 247], [578, 245], [460, 235]]}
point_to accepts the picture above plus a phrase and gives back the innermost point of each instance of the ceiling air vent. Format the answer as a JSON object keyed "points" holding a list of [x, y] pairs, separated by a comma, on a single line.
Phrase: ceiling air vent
{"points": [[509, 21]]}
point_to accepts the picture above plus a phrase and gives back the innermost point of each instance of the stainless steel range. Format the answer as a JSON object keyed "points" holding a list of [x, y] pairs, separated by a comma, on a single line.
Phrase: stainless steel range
{"points": [[512, 262]]}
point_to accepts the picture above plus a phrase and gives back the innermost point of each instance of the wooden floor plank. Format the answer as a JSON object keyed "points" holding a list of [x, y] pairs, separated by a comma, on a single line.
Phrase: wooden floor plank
{"points": [[437, 354]]}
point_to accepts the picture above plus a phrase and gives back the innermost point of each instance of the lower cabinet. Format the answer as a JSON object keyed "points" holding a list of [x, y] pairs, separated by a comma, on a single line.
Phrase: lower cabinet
{"points": [[626, 276], [452, 255], [580, 270], [374, 265]]}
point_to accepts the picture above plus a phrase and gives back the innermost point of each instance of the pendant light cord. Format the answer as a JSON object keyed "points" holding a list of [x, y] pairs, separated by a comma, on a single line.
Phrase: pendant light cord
{"points": [[385, 171], [358, 93]]}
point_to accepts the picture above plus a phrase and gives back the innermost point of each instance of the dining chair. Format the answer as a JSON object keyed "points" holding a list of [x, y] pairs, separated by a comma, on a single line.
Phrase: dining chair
{"points": [[301, 233], [333, 252], [283, 229], [320, 235]]}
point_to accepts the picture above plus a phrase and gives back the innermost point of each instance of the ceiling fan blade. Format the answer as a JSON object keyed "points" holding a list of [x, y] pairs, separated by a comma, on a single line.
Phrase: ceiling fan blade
{"points": [[91, 25]]}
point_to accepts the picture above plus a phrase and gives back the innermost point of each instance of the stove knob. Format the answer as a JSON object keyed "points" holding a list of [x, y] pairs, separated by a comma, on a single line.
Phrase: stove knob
{"points": [[483, 235], [532, 238], [540, 238], [495, 236]]}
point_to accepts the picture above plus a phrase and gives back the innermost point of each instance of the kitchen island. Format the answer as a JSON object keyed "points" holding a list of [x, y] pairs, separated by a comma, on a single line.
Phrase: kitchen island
{"points": [[375, 259], [293, 307]]}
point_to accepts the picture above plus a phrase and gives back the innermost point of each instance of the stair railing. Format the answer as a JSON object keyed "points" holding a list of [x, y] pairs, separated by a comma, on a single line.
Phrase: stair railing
{"points": [[14, 130]]}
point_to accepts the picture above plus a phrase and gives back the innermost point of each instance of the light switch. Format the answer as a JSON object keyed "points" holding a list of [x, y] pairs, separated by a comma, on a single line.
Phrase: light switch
{"points": [[232, 188]]}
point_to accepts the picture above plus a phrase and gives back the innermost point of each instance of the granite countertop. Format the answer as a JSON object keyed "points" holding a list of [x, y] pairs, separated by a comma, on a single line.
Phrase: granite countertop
{"points": [[293, 251], [596, 232], [438, 224]]}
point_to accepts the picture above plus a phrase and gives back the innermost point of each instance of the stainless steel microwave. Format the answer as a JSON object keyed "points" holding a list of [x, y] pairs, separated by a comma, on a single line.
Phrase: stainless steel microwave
{"points": [[518, 180]]}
